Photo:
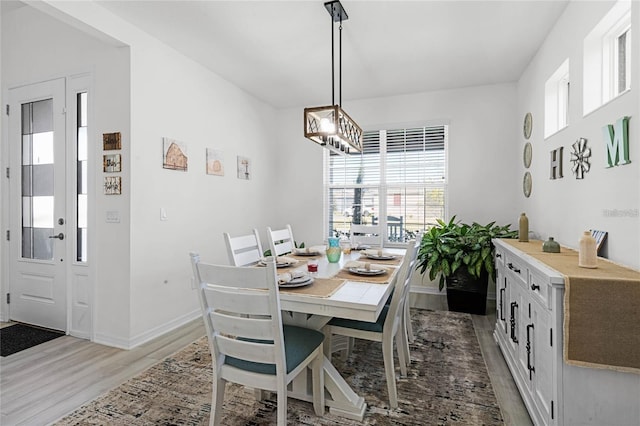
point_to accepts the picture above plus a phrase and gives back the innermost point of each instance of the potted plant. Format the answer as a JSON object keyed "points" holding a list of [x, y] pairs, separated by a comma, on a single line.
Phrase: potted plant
{"points": [[461, 255]]}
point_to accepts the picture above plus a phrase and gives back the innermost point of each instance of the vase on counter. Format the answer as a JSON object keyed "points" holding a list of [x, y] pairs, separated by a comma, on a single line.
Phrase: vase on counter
{"points": [[523, 228], [334, 251], [587, 251], [551, 246]]}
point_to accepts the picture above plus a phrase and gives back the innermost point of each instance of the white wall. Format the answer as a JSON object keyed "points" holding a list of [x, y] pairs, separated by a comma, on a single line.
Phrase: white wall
{"points": [[564, 208], [483, 155], [148, 91]]}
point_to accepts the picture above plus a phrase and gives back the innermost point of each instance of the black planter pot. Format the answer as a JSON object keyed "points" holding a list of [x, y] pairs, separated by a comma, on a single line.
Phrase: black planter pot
{"points": [[467, 294]]}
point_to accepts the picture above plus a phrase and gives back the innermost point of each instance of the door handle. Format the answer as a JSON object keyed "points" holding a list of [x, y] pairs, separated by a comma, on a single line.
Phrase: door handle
{"points": [[60, 236]]}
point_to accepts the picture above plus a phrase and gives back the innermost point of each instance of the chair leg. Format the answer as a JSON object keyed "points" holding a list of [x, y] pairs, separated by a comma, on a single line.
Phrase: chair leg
{"points": [[401, 345], [217, 397], [282, 404], [317, 375], [405, 343], [387, 354], [407, 319]]}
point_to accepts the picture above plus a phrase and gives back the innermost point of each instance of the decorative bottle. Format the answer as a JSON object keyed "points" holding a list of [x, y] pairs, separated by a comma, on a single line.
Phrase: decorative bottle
{"points": [[551, 246], [334, 251], [587, 253], [523, 231]]}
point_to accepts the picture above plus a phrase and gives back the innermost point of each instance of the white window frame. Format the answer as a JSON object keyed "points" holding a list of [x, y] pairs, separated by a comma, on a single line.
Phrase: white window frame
{"points": [[601, 54], [556, 100], [382, 186]]}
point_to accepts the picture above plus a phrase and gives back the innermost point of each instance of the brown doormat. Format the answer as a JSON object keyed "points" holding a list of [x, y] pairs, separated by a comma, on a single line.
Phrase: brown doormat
{"points": [[447, 383]]}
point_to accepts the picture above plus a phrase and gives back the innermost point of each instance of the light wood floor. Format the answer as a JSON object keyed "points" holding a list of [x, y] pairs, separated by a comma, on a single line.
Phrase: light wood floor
{"points": [[42, 384]]}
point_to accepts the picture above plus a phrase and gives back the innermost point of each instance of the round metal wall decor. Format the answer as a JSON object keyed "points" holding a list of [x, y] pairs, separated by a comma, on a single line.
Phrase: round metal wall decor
{"points": [[528, 125], [580, 158], [526, 184], [526, 155]]}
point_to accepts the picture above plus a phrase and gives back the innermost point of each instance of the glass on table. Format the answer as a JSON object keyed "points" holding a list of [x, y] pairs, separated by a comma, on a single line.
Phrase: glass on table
{"points": [[312, 266]]}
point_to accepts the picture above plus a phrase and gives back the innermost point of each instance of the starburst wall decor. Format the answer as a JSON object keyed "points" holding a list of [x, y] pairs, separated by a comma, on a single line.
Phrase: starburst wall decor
{"points": [[580, 158]]}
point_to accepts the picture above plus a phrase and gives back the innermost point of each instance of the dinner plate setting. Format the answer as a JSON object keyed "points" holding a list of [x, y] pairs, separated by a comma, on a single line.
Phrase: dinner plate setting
{"points": [[309, 251], [378, 255], [294, 279], [365, 271], [281, 262]]}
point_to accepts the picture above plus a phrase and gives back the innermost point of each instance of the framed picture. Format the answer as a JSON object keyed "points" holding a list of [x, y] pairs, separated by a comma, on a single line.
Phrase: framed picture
{"points": [[112, 185], [111, 141], [215, 166], [174, 155], [111, 163], [244, 168]]}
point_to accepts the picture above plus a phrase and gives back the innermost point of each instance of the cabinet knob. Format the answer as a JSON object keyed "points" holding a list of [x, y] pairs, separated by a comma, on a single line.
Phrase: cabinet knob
{"points": [[535, 287]]}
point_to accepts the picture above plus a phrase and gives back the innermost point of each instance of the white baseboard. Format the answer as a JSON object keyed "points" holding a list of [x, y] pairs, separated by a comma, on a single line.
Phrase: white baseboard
{"points": [[147, 335]]}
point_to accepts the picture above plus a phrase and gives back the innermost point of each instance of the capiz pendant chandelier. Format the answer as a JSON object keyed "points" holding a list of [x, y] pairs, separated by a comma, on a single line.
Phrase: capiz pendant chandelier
{"points": [[330, 126]]}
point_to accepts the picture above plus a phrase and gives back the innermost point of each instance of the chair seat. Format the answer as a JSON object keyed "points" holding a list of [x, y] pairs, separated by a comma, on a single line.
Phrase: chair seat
{"points": [[362, 325], [299, 342]]}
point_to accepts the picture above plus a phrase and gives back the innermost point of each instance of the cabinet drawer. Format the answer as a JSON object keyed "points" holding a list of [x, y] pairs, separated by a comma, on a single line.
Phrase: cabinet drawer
{"points": [[539, 287], [517, 267]]}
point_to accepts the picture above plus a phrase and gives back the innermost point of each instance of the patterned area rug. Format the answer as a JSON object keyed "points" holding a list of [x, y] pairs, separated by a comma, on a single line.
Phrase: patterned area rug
{"points": [[447, 384]]}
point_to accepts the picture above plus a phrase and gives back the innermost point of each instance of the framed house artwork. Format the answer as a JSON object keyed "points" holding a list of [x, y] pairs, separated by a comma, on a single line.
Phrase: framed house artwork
{"points": [[174, 155], [111, 163], [244, 166], [112, 185], [111, 141], [215, 166]]}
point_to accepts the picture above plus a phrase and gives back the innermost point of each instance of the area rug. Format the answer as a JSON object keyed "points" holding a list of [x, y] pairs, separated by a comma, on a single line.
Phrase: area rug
{"points": [[447, 384], [18, 337]]}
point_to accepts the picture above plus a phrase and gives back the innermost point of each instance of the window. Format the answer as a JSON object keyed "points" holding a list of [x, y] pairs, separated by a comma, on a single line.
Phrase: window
{"points": [[556, 100], [607, 57], [398, 181], [81, 178]]}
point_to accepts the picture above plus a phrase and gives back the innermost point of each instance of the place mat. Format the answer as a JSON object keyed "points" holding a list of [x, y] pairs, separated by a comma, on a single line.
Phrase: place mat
{"points": [[321, 287], [391, 262], [601, 309]]}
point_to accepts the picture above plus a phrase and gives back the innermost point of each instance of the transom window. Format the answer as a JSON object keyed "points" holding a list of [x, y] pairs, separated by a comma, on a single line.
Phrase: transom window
{"points": [[398, 181]]}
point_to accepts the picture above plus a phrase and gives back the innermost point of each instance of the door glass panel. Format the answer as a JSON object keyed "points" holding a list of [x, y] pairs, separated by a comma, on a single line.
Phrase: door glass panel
{"points": [[81, 181], [37, 180]]}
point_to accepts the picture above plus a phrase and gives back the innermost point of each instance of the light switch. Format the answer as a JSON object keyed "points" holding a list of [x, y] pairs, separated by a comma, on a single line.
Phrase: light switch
{"points": [[163, 213]]}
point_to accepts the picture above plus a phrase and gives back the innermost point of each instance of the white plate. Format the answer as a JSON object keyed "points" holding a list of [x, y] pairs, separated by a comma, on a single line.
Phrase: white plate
{"points": [[382, 257], [363, 271], [278, 265], [297, 282]]}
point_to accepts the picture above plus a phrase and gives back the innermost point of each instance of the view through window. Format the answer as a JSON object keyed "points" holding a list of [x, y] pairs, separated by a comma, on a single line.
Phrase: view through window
{"points": [[398, 181]]}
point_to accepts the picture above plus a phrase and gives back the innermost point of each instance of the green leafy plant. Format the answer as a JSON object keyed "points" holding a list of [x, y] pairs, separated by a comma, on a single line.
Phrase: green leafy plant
{"points": [[449, 246]]}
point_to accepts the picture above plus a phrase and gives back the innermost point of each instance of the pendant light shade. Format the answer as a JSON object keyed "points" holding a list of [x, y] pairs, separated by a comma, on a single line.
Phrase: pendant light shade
{"points": [[330, 126]]}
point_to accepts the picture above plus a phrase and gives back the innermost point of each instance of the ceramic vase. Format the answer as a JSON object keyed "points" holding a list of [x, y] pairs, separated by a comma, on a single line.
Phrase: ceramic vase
{"points": [[551, 246], [334, 251], [523, 229], [587, 252]]}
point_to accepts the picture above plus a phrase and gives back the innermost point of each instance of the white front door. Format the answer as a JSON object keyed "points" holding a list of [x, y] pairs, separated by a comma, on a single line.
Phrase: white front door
{"points": [[38, 216]]}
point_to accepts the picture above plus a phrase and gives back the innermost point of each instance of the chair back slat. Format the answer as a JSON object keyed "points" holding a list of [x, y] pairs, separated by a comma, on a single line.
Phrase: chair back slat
{"points": [[366, 235], [250, 302], [244, 250], [246, 327], [248, 351], [281, 241]]}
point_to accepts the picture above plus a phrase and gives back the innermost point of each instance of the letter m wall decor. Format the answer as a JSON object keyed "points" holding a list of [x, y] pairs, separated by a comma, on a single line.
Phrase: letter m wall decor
{"points": [[616, 138]]}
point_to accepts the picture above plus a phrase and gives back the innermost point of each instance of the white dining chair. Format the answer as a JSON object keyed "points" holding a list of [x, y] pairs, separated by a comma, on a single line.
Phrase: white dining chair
{"points": [[248, 342], [370, 235], [244, 250], [389, 328], [281, 240]]}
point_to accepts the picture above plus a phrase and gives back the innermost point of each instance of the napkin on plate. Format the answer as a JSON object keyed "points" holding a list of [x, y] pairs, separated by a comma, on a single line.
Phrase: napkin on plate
{"points": [[288, 276], [307, 250], [364, 265], [285, 259]]}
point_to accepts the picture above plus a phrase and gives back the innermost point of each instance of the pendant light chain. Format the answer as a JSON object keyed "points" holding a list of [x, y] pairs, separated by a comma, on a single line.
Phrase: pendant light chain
{"points": [[340, 62]]}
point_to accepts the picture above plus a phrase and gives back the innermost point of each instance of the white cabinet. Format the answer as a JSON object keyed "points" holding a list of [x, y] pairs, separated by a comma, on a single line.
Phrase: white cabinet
{"points": [[529, 329]]}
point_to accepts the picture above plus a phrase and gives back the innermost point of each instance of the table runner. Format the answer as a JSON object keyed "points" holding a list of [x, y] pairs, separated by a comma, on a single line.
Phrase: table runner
{"points": [[321, 287], [601, 310]]}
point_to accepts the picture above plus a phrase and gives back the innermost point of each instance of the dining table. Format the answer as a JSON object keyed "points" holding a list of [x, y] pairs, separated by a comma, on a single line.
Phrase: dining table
{"points": [[349, 296]]}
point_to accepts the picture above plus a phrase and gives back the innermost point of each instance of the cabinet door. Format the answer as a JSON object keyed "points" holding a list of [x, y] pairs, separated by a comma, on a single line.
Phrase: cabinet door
{"points": [[541, 360], [502, 304], [515, 325]]}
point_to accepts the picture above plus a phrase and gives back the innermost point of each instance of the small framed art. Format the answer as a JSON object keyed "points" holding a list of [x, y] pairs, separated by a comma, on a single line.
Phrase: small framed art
{"points": [[111, 163]]}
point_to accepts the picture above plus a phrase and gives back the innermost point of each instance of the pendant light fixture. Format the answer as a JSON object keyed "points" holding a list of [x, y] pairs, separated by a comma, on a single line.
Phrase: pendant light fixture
{"points": [[330, 126]]}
